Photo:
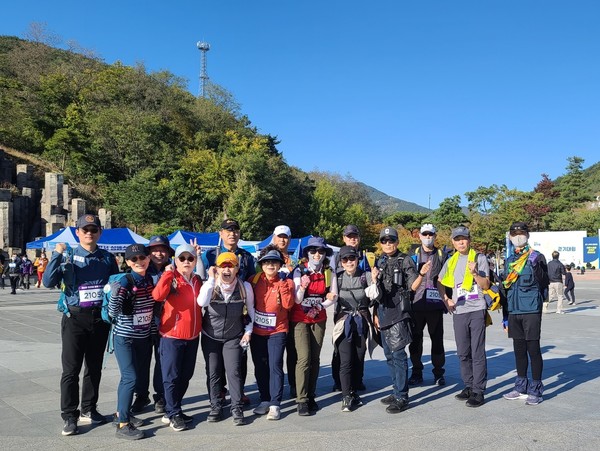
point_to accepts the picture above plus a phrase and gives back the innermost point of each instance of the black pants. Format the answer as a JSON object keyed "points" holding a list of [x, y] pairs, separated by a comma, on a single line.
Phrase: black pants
{"points": [[14, 283], [219, 355], [570, 294], [352, 360], [84, 337], [434, 319]]}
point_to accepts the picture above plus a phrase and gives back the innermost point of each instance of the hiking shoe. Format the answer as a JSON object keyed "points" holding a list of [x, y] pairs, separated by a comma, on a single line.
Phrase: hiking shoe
{"points": [[274, 413], [312, 405], [440, 381], [70, 427], [533, 400], [262, 408], [399, 405], [356, 401], [187, 419], [238, 416], [464, 395], [129, 432], [415, 379], [135, 421], [139, 404], [388, 400], [92, 417], [215, 415], [475, 400], [159, 405], [177, 423], [303, 410], [515, 395], [347, 404]]}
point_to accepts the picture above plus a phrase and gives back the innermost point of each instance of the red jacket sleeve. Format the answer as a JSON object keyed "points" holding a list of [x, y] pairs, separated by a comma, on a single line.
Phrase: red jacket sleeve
{"points": [[163, 287]]}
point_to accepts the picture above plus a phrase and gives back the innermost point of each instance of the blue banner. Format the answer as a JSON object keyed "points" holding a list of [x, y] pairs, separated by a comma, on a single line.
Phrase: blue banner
{"points": [[590, 249]]}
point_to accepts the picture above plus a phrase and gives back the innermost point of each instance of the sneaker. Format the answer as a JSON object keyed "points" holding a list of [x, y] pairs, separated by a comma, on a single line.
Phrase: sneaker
{"points": [[165, 419], [159, 405], [356, 401], [560, 312], [571, 302], [177, 423], [533, 400], [238, 416], [245, 400], [388, 400], [262, 408], [415, 379], [464, 395], [70, 427], [312, 405], [92, 417], [274, 413], [515, 395], [129, 432], [136, 422], [475, 400], [303, 410], [139, 404], [440, 381], [215, 415], [187, 419], [347, 404], [399, 405]]}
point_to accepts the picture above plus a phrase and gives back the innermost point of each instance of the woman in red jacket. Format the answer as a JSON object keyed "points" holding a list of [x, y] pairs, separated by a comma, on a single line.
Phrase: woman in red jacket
{"points": [[273, 299], [180, 326], [316, 289]]}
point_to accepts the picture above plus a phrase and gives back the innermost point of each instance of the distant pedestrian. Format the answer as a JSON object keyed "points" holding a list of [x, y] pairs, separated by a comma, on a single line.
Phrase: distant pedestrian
{"points": [[40, 265], [26, 272], [12, 269], [556, 271], [569, 286]]}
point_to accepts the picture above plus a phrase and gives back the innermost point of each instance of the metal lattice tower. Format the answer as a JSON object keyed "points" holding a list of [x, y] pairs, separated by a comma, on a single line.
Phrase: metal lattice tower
{"points": [[203, 47]]}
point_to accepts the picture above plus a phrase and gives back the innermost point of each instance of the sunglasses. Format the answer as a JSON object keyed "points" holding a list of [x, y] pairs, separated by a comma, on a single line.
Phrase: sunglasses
{"points": [[427, 234], [226, 265], [348, 259], [181, 258], [139, 257], [387, 240], [317, 251], [271, 262], [90, 230]]}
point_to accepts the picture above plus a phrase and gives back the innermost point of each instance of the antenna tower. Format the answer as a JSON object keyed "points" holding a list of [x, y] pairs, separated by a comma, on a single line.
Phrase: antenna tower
{"points": [[203, 47]]}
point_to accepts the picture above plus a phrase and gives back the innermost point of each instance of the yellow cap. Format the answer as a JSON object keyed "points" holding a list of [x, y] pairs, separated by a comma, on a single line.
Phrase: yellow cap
{"points": [[229, 257]]}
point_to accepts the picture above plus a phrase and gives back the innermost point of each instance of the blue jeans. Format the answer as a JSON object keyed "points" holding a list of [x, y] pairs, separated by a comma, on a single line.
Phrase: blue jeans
{"points": [[178, 361], [398, 364], [267, 355], [132, 356]]}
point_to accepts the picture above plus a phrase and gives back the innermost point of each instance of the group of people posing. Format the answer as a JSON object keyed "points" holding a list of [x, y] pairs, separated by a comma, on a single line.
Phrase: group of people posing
{"points": [[171, 302]]}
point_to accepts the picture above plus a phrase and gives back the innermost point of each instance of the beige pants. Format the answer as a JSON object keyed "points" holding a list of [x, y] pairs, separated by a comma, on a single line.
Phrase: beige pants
{"points": [[555, 291]]}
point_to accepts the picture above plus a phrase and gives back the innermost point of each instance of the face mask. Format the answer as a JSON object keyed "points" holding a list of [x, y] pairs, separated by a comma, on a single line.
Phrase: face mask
{"points": [[427, 241], [519, 240]]}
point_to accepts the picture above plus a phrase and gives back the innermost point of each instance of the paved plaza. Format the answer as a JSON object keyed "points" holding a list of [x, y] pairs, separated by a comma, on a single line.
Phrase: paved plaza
{"points": [[568, 419]]}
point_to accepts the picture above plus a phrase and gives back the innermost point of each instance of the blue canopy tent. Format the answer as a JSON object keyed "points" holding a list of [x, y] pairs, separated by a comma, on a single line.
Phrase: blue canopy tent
{"points": [[116, 240], [206, 240], [66, 235]]}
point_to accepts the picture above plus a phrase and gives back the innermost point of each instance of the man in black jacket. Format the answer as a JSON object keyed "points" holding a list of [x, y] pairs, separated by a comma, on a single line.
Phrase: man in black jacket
{"points": [[556, 271]]}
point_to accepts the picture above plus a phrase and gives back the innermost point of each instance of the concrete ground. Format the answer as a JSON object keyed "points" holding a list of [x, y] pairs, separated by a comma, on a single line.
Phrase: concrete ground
{"points": [[569, 417]]}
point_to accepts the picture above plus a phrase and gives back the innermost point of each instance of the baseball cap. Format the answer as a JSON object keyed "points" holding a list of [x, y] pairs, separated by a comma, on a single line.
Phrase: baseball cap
{"points": [[460, 231], [389, 232], [350, 229], [227, 257], [133, 250], [160, 240], [88, 219], [519, 227], [185, 248], [230, 224], [282, 230], [428, 228], [348, 251]]}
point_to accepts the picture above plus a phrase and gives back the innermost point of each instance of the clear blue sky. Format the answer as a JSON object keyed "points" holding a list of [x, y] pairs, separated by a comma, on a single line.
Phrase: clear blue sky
{"points": [[473, 93]]}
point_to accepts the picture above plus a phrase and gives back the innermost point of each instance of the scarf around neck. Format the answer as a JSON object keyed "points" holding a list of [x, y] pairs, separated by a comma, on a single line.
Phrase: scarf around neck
{"points": [[448, 279]]}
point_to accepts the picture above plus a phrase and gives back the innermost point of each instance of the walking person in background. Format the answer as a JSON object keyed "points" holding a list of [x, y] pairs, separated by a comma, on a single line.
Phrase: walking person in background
{"points": [[12, 269], [40, 265], [556, 271], [569, 286], [26, 272], [525, 279]]}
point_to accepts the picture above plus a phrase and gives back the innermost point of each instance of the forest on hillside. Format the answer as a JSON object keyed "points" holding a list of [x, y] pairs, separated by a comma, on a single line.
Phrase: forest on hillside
{"points": [[162, 159]]}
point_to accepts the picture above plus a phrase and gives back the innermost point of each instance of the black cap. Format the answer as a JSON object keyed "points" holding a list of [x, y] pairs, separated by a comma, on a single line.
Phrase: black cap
{"points": [[350, 229], [134, 250], [87, 220], [519, 227], [160, 240], [230, 224], [348, 251], [460, 231], [388, 232], [273, 254]]}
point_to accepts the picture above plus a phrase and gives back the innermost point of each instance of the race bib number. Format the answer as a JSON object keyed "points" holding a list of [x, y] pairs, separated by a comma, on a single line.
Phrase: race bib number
{"points": [[12, 265], [432, 295], [142, 318], [464, 295], [90, 295], [264, 320], [311, 301]]}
